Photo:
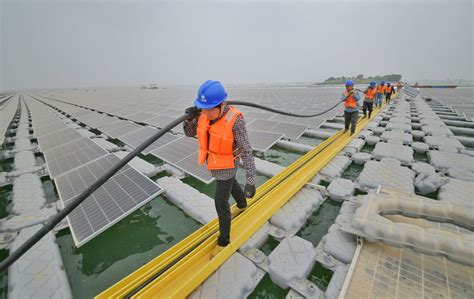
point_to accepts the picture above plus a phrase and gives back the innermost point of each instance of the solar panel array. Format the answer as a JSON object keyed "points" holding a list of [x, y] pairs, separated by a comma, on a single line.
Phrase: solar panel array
{"points": [[135, 138], [75, 162], [122, 194], [461, 99], [102, 109], [70, 155], [57, 138]]}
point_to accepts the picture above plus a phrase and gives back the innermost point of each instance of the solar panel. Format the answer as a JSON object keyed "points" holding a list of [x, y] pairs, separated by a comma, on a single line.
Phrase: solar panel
{"points": [[120, 128], [77, 111], [57, 138], [190, 165], [283, 118], [101, 121], [122, 194], [259, 115], [71, 155], [177, 150], [160, 121], [140, 116], [262, 141], [412, 92], [54, 125], [261, 125], [182, 153], [293, 131], [84, 118], [137, 137], [311, 122]]}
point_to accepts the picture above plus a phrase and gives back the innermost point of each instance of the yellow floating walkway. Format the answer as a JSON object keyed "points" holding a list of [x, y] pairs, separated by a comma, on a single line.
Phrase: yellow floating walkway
{"points": [[183, 267]]}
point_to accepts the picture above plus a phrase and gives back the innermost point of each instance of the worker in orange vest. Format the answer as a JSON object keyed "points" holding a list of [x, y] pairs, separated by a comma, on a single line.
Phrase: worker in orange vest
{"points": [[351, 107], [223, 140], [399, 87], [368, 104], [388, 92], [380, 94]]}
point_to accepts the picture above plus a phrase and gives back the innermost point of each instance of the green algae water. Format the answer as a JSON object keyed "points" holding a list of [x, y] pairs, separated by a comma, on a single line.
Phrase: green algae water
{"points": [[5, 199], [352, 172], [318, 224], [124, 247], [421, 157], [6, 165], [50, 191], [3, 276], [320, 276], [279, 156], [309, 141], [266, 289]]}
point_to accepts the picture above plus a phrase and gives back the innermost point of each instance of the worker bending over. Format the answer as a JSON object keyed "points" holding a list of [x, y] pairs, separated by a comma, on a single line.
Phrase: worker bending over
{"points": [[223, 139], [388, 92], [369, 99], [351, 107]]}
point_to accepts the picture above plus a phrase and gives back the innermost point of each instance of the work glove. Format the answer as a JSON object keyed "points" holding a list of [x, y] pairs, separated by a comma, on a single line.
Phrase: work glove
{"points": [[192, 112], [249, 191]]}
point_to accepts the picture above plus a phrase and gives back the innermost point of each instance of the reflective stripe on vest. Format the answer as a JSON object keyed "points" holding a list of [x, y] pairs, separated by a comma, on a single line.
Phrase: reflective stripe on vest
{"points": [[216, 142], [350, 102], [380, 88], [389, 89]]}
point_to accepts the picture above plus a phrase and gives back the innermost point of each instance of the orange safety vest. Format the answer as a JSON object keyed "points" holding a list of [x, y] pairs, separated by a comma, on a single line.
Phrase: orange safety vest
{"points": [[389, 89], [380, 88], [350, 102], [370, 93], [216, 141]]}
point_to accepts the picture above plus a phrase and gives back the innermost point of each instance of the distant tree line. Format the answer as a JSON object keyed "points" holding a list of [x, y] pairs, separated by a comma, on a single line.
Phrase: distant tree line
{"points": [[360, 79]]}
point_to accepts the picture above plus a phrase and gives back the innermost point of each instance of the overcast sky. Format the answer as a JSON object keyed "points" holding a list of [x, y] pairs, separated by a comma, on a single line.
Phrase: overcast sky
{"points": [[54, 44]]}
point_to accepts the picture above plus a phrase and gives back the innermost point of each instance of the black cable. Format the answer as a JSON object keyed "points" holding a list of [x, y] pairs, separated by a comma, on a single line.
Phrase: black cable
{"points": [[279, 111], [56, 219]]}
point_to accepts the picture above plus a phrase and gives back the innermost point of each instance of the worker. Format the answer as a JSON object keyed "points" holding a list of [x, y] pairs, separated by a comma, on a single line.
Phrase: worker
{"points": [[380, 93], [351, 107], [399, 88], [370, 93], [223, 140], [388, 92]]}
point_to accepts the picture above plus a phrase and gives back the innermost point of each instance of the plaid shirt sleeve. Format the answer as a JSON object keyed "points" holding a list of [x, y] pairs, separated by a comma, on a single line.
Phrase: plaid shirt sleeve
{"points": [[190, 127], [244, 148]]}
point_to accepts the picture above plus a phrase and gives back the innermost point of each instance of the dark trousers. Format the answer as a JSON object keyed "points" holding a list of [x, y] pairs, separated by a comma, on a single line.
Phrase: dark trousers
{"points": [[350, 118], [368, 106], [221, 200], [388, 97]]}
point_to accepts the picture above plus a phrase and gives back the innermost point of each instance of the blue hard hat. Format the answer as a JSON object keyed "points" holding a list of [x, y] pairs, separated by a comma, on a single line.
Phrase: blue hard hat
{"points": [[383, 82], [211, 93], [373, 83], [349, 82], [388, 83]]}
